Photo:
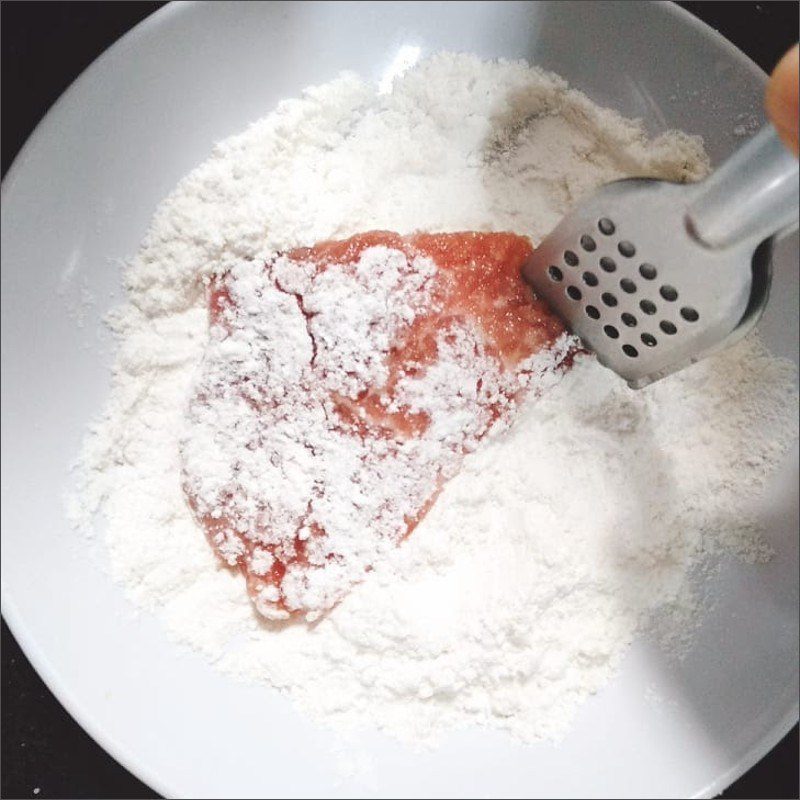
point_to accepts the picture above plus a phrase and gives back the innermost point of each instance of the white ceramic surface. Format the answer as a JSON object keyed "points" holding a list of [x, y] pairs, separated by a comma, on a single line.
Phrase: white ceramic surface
{"points": [[79, 197]]}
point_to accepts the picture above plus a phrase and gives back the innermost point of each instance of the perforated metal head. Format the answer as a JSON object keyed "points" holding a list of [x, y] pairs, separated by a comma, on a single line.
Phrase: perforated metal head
{"points": [[627, 276]]}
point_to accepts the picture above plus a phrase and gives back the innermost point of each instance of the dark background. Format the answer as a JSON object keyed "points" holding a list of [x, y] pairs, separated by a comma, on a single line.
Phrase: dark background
{"points": [[44, 47]]}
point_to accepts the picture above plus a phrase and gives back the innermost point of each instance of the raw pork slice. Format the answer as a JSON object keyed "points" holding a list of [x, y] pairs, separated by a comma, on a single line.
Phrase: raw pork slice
{"points": [[341, 387]]}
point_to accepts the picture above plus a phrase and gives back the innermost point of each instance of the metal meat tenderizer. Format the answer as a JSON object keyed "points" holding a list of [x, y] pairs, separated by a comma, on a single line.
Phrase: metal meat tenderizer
{"points": [[654, 275]]}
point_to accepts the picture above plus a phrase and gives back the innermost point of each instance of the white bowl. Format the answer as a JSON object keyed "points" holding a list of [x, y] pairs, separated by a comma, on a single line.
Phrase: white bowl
{"points": [[80, 195]]}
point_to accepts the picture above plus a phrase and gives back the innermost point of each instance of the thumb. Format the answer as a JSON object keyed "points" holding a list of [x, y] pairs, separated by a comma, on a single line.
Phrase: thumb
{"points": [[782, 99]]}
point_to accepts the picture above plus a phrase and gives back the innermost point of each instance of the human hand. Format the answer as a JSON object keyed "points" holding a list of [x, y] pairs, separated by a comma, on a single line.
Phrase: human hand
{"points": [[782, 99]]}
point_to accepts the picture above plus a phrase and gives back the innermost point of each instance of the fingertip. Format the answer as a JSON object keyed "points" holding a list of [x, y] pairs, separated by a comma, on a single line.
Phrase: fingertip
{"points": [[782, 101]]}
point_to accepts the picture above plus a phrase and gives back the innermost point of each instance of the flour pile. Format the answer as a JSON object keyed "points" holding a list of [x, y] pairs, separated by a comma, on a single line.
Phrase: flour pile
{"points": [[518, 594]]}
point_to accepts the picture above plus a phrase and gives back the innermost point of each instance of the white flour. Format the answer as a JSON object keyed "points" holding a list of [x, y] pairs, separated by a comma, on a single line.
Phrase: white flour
{"points": [[518, 594]]}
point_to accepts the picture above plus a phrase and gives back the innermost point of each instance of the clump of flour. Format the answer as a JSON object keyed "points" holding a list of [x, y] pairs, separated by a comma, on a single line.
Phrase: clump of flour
{"points": [[560, 539]]}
